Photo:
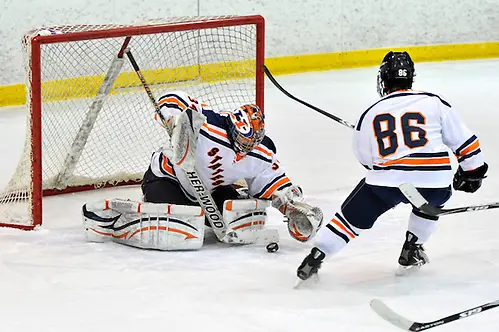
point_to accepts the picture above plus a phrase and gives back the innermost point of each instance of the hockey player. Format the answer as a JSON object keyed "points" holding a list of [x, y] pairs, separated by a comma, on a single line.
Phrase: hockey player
{"points": [[403, 137], [228, 146]]}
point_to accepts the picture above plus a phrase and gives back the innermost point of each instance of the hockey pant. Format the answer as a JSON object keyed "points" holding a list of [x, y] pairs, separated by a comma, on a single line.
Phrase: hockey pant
{"points": [[166, 190], [365, 204]]}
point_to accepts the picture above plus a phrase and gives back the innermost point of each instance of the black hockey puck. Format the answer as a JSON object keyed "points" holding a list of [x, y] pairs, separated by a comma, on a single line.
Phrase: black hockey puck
{"points": [[272, 247]]}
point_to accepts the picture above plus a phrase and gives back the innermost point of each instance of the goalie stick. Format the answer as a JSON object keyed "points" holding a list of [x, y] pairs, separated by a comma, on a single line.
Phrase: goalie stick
{"points": [[87, 125], [202, 193], [203, 196], [317, 109], [418, 201], [406, 324]]}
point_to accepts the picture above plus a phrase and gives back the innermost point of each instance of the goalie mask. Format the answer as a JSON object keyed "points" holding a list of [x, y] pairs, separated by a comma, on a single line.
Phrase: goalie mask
{"points": [[246, 128], [395, 73]]}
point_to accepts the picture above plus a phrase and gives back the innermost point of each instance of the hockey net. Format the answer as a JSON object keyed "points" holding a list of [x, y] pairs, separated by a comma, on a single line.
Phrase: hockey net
{"points": [[74, 143]]}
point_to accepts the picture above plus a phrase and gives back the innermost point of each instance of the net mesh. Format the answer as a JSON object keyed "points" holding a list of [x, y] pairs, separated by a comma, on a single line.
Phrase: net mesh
{"points": [[214, 65]]}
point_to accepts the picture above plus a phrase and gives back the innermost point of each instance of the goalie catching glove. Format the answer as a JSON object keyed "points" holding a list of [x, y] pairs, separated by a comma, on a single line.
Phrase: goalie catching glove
{"points": [[304, 220]]}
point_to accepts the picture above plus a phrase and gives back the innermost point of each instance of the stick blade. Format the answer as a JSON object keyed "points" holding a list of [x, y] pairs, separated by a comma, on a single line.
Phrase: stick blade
{"points": [[391, 316], [418, 201], [413, 195]]}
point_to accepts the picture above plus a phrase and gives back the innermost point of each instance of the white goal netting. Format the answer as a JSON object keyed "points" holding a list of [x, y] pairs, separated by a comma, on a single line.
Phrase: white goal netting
{"points": [[216, 65]]}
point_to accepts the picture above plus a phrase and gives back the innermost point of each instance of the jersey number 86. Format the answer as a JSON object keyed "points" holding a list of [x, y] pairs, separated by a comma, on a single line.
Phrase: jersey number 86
{"points": [[384, 129]]}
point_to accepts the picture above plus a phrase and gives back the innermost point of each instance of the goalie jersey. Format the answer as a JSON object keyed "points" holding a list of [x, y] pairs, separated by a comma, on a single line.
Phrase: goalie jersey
{"points": [[406, 137], [216, 162]]}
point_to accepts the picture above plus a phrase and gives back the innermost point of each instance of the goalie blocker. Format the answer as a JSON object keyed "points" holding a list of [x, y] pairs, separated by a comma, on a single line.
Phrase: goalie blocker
{"points": [[165, 226]]}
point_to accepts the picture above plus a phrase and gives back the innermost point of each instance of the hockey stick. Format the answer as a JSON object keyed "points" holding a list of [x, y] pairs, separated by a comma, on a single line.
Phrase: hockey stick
{"points": [[406, 324], [329, 115], [203, 196], [87, 125], [419, 202]]}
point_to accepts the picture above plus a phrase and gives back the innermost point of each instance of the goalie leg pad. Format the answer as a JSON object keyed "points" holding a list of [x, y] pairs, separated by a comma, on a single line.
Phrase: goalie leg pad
{"points": [[246, 220], [144, 225]]}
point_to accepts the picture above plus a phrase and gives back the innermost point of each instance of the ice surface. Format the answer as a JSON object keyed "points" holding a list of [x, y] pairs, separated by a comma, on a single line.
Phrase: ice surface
{"points": [[52, 280]]}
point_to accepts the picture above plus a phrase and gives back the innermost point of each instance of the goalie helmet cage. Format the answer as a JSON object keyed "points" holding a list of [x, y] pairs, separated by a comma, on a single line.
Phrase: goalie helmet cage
{"points": [[90, 124]]}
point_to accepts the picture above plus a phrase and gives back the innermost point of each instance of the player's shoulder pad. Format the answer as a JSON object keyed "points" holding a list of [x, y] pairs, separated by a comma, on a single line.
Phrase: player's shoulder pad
{"points": [[214, 118], [265, 150], [179, 97], [363, 115], [397, 95], [174, 100], [443, 101], [417, 92], [269, 144]]}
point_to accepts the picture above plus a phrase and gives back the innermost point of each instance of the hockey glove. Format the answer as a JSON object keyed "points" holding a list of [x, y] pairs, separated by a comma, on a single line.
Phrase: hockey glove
{"points": [[469, 181], [185, 130], [303, 219]]}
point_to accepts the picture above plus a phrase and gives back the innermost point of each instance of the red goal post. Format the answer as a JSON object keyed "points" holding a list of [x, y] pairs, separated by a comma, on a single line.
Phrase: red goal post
{"points": [[90, 124]]}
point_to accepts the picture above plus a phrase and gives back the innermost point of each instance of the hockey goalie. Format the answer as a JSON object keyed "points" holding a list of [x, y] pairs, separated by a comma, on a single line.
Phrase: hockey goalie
{"points": [[223, 147]]}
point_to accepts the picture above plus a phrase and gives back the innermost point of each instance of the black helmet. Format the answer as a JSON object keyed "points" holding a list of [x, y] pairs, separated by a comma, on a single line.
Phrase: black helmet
{"points": [[395, 73]]}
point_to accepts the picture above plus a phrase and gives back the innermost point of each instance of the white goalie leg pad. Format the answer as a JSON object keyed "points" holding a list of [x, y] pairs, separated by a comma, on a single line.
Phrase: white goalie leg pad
{"points": [[246, 220], [144, 225]]}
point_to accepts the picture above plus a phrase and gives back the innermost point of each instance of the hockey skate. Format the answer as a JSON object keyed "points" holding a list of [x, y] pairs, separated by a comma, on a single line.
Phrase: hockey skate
{"points": [[311, 264], [412, 256]]}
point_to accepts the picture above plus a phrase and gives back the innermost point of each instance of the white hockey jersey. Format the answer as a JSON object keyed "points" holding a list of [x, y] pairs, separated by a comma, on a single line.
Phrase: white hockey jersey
{"points": [[406, 137], [216, 162]]}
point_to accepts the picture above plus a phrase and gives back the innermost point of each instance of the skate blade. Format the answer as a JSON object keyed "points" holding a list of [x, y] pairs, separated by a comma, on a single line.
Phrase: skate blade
{"points": [[300, 283], [407, 270]]}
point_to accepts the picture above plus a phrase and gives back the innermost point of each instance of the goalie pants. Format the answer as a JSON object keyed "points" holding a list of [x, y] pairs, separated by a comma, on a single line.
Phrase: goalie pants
{"points": [[166, 190], [366, 203]]}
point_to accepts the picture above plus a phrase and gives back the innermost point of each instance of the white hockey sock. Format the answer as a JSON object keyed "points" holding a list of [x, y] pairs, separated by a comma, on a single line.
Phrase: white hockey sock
{"points": [[421, 227], [335, 234]]}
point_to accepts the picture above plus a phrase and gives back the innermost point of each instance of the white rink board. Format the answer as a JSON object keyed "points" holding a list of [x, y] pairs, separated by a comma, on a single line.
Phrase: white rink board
{"points": [[52, 280], [292, 27]]}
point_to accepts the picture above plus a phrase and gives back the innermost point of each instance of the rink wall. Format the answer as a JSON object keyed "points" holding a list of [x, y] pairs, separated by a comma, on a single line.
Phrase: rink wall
{"points": [[300, 36]]}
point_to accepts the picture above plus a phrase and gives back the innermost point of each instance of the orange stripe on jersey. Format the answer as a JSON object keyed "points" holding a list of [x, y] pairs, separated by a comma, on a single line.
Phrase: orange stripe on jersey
{"points": [[173, 100], [263, 151], [167, 167], [472, 147], [274, 187], [343, 228], [215, 131], [418, 161]]}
